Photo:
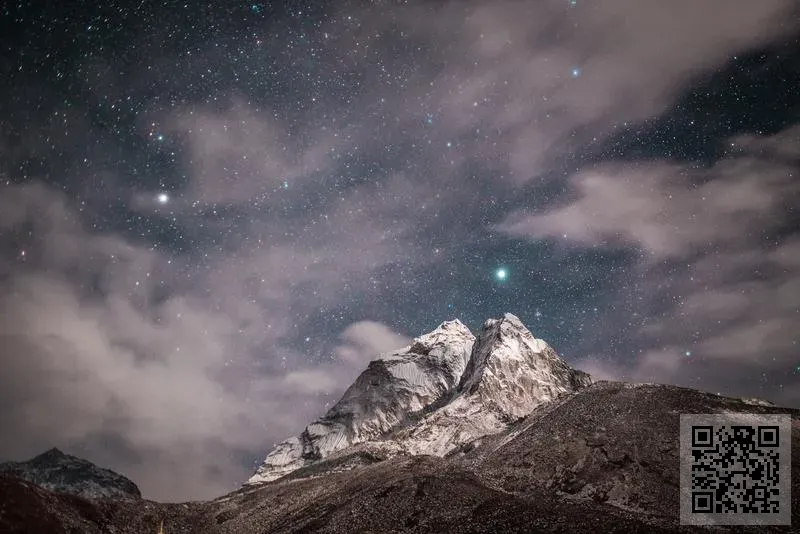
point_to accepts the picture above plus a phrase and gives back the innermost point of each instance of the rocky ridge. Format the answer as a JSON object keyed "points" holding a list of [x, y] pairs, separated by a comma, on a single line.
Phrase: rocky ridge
{"points": [[63, 473]]}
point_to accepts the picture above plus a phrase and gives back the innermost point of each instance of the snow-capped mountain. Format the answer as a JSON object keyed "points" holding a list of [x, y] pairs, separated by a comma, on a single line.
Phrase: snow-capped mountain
{"points": [[392, 388], [545, 449], [510, 372], [446, 389], [56, 471]]}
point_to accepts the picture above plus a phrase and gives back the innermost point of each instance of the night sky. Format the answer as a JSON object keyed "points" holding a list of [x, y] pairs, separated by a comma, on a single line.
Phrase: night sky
{"points": [[212, 215]]}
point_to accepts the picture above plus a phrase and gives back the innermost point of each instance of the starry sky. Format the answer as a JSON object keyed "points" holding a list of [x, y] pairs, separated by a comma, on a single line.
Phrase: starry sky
{"points": [[213, 215]]}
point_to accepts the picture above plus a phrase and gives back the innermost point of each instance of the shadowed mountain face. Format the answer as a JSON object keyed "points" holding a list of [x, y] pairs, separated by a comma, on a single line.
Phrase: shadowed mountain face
{"points": [[559, 454], [61, 472]]}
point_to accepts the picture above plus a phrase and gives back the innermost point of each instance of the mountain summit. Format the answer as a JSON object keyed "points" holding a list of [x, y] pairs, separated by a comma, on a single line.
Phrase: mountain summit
{"points": [[392, 387], [444, 390], [56, 471]]}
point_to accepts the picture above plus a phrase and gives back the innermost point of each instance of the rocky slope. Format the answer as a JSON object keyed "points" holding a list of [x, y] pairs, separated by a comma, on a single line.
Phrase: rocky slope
{"points": [[59, 472]]}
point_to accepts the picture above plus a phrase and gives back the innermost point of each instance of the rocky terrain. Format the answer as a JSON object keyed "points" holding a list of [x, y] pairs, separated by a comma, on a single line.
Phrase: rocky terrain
{"points": [[450, 434], [54, 470]]}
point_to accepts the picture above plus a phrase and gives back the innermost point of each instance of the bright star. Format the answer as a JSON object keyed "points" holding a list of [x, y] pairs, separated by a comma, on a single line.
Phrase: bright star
{"points": [[576, 72], [501, 274], [162, 198]]}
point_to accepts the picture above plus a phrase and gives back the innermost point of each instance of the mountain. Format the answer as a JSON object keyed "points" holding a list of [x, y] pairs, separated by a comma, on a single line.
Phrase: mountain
{"points": [[509, 373], [604, 459], [450, 434], [384, 396], [59, 472], [444, 390]]}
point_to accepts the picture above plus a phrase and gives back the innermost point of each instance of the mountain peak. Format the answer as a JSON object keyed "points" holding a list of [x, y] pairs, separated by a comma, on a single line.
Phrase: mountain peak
{"points": [[443, 390], [51, 454], [507, 318], [385, 395], [514, 371], [444, 332], [54, 457], [57, 471]]}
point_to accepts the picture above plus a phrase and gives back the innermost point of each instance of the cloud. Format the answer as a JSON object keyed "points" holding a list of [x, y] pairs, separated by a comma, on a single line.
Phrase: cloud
{"points": [[715, 283], [669, 210], [364, 340], [519, 83], [243, 154], [92, 354]]}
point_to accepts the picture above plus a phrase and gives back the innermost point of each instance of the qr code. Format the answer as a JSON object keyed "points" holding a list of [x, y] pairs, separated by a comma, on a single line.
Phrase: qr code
{"points": [[735, 469]]}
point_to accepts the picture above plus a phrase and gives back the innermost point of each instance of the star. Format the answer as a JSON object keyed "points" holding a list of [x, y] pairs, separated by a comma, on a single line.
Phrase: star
{"points": [[501, 274], [162, 198], [576, 72]]}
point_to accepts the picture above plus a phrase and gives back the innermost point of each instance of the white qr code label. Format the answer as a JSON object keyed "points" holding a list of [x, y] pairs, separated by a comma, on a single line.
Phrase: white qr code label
{"points": [[735, 469]]}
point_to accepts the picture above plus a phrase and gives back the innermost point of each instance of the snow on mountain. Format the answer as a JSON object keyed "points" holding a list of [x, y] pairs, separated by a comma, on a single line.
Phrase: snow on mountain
{"points": [[510, 372], [56, 471], [391, 389], [443, 391]]}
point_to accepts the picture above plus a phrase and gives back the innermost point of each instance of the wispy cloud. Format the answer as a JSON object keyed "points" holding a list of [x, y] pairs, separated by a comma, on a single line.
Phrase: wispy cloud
{"points": [[715, 283]]}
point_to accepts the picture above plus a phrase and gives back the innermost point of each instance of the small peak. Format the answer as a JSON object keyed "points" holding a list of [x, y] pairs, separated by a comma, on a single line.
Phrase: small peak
{"points": [[446, 330], [454, 324], [49, 457], [508, 319], [53, 453]]}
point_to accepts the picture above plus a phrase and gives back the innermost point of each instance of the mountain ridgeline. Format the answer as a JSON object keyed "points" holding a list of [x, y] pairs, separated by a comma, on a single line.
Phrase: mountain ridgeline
{"points": [[453, 433], [56, 471], [445, 389]]}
